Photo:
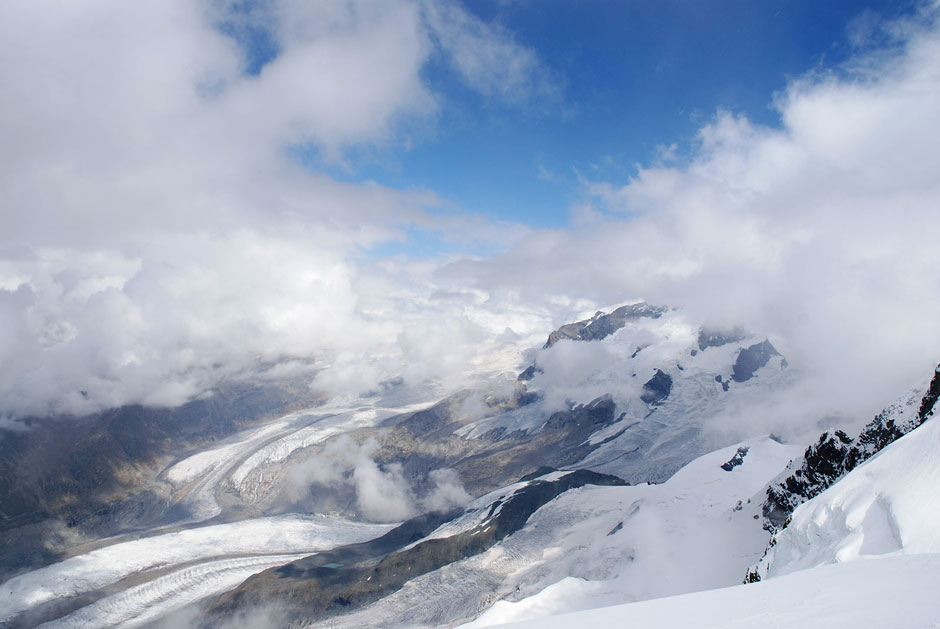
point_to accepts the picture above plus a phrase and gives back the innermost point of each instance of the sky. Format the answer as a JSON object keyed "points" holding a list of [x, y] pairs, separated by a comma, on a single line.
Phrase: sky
{"points": [[624, 82], [351, 191]]}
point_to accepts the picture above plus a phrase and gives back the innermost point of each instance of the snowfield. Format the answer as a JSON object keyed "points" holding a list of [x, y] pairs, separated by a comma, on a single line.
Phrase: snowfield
{"points": [[670, 550], [619, 544], [884, 592], [872, 536], [889, 505], [598, 546]]}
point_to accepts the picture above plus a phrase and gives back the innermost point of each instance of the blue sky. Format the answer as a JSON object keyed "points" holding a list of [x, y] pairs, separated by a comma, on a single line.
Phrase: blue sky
{"points": [[632, 78]]}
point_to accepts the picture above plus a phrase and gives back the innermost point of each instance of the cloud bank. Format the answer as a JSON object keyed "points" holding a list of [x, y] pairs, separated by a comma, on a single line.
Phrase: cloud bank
{"points": [[159, 233], [383, 494], [821, 233]]}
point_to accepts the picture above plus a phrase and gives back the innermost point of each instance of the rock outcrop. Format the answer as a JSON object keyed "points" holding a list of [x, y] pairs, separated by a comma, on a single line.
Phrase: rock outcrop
{"points": [[350, 577], [835, 454], [603, 325]]}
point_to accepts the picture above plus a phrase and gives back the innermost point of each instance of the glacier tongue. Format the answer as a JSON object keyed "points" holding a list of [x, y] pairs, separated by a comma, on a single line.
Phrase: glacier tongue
{"points": [[603, 545]]}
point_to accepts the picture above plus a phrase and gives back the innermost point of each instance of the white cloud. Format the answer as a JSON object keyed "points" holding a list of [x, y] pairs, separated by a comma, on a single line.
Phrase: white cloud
{"points": [[156, 237], [488, 58], [822, 232], [447, 492], [345, 72], [383, 494]]}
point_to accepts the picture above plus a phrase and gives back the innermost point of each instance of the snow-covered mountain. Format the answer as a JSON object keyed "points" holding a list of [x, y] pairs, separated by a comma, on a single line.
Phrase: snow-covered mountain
{"points": [[887, 506], [836, 454], [629, 460], [863, 552]]}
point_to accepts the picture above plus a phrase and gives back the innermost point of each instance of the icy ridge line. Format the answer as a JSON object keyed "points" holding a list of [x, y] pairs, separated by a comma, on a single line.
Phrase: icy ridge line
{"points": [[834, 455]]}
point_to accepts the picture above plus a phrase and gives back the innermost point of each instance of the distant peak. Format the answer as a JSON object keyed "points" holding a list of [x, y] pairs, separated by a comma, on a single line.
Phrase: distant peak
{"points": [[603, 325]]}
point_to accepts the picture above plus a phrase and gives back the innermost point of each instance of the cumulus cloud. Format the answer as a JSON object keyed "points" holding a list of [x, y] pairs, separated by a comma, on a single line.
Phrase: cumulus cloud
{"points": [[382, 493], [821, 232], [447, 491], [158, 234]]}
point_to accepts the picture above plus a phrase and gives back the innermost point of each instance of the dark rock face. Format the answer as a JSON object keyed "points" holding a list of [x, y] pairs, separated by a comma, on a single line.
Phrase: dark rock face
{"points": [[561, 442], [823, 463], [657, 388], [603, 325], [736, 460], [835, 455], [930, 398], [425, 441], [709, 337], [350, 577], [95, 473], [529, 373], [752, 358]]}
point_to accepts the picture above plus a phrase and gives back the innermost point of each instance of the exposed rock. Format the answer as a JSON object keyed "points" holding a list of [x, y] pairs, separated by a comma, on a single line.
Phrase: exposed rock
{"points": [[350, 577], [710, 337], [424, 441], [529, 373], [752, 358], [930, 398], [736, 460], [657, 388], [823, 463], [603, 325], [836, 454]]}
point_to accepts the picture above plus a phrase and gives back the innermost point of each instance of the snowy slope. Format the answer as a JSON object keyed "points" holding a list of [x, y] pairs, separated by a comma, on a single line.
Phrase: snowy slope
{"points": [[650, 441], [885, 592], [603, 545], [676, 398], [872, 536], [890, 505], [835, 453]]}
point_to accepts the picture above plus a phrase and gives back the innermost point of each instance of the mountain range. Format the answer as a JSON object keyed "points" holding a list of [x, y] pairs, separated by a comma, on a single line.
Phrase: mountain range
{"points": [[626, 460]]}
